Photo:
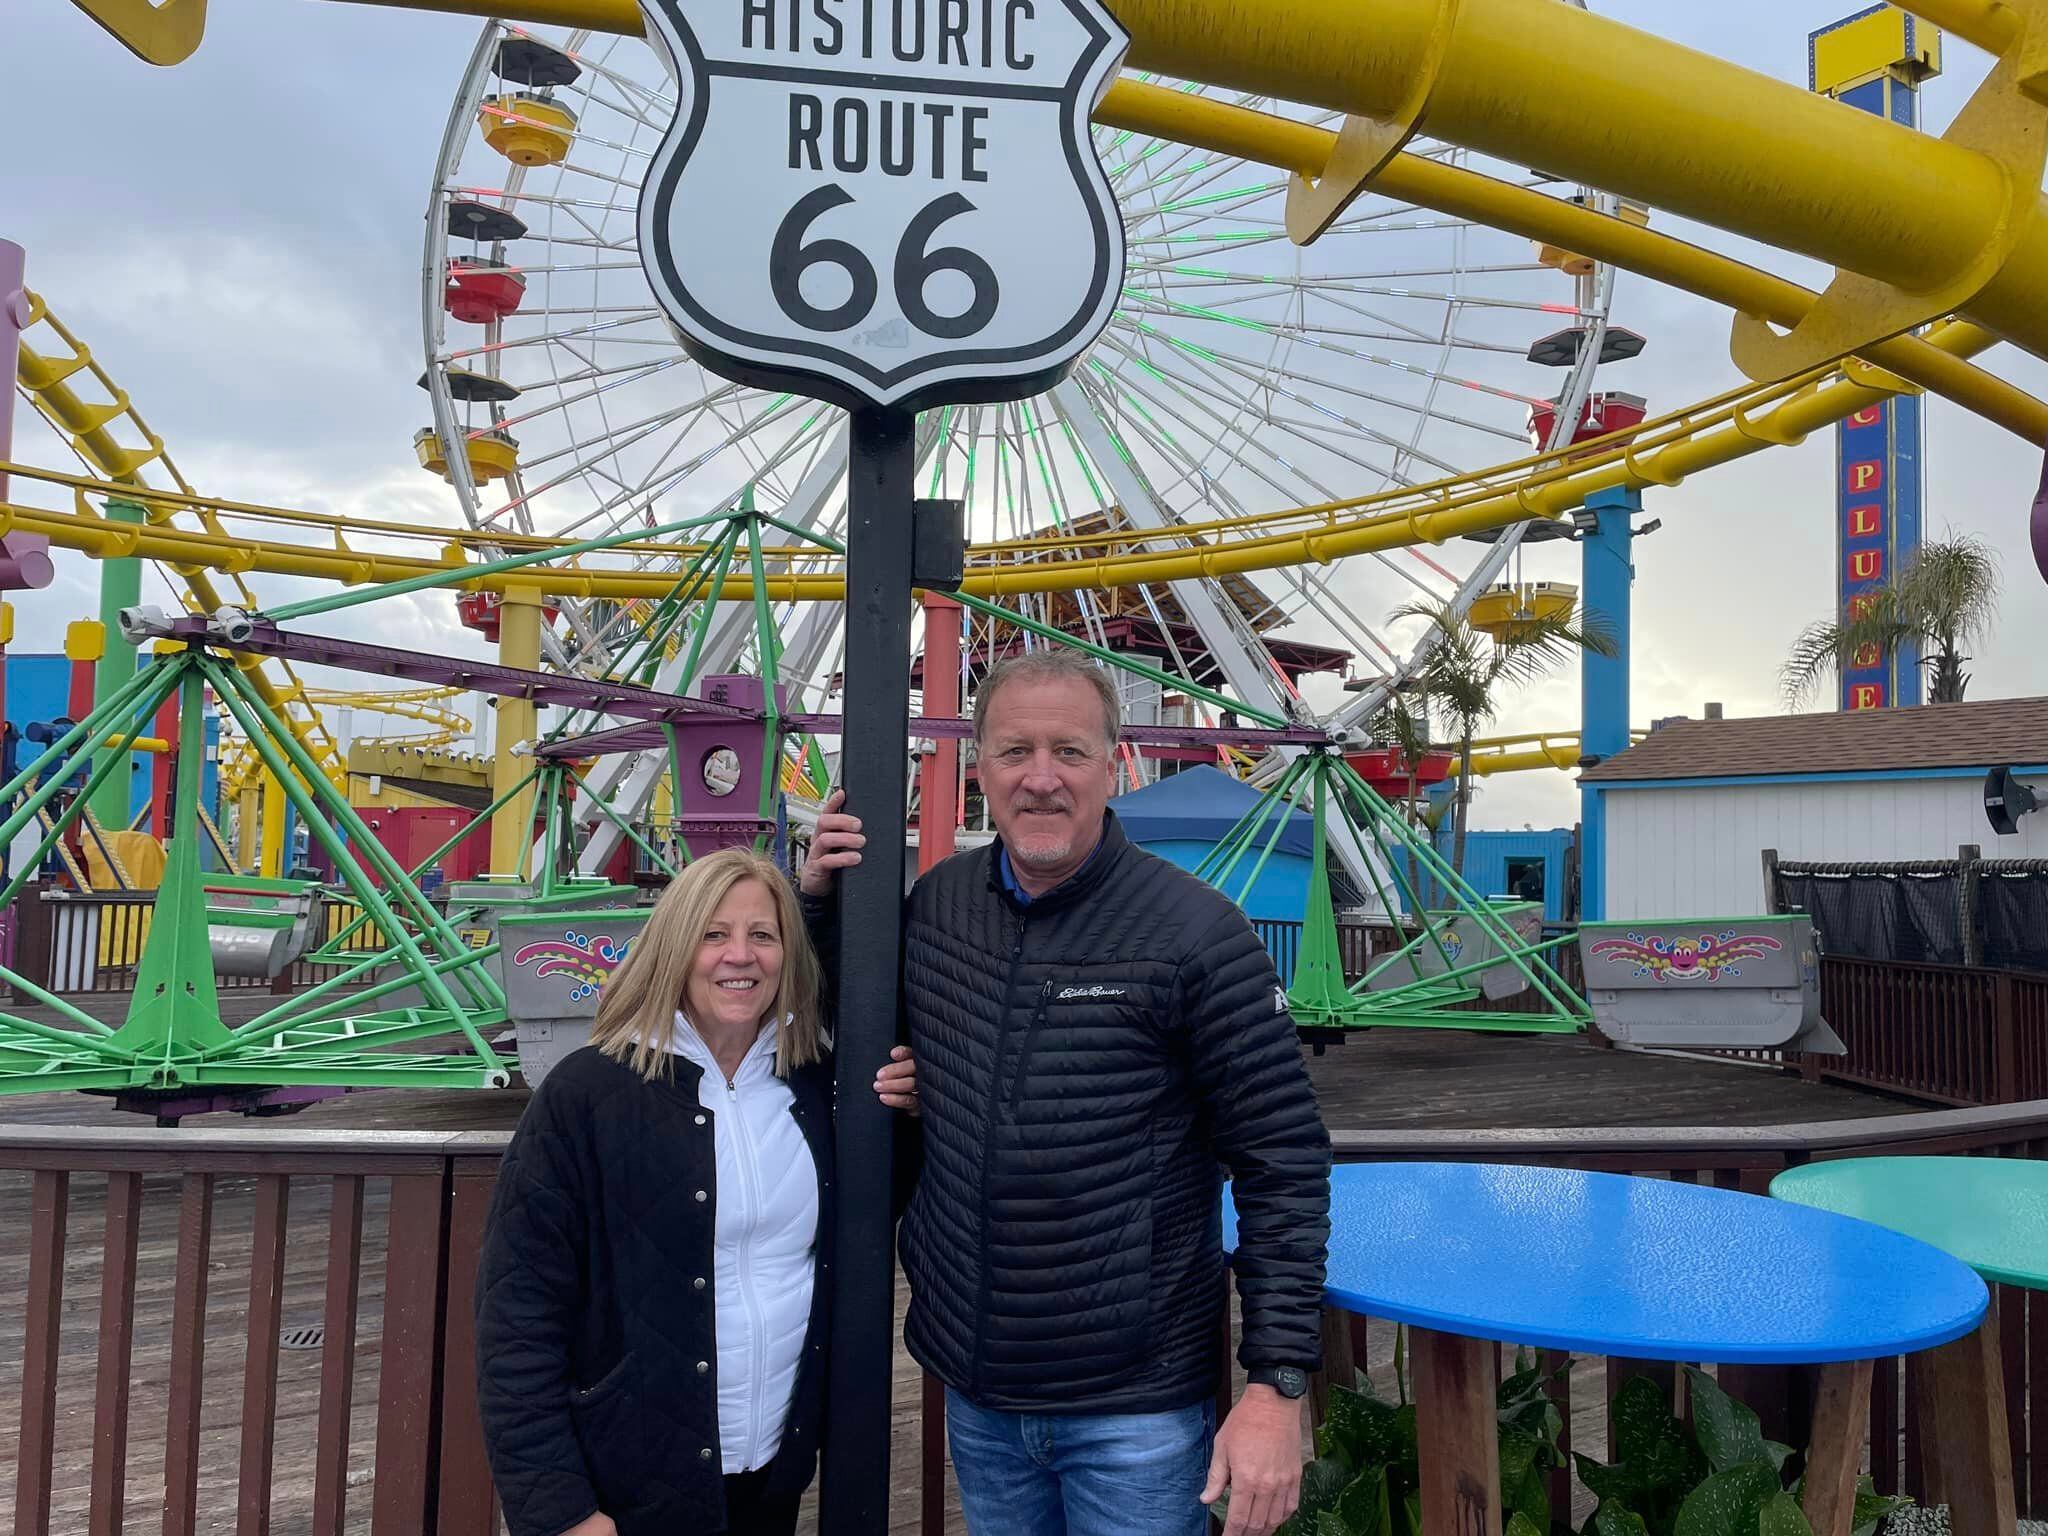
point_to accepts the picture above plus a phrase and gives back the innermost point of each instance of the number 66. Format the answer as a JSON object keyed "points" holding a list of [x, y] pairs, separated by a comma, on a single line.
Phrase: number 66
{"points": [[790, 257]]}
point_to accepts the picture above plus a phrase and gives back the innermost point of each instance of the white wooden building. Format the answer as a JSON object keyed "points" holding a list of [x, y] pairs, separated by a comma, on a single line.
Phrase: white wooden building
{"points": [[1676, 826]]}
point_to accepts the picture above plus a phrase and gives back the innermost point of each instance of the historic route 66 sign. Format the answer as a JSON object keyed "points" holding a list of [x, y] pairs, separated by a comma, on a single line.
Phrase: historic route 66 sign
{"points": [[885, 202]]}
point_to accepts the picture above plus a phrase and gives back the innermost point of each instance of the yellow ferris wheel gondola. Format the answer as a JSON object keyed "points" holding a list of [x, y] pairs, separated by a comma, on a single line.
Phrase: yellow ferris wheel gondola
{"points": [[528, 127], [1512, 611], [493, 454]]}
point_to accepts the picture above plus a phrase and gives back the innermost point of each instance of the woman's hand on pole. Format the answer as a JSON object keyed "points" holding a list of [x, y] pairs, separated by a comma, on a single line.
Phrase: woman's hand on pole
{"points": [[896, 1083]]}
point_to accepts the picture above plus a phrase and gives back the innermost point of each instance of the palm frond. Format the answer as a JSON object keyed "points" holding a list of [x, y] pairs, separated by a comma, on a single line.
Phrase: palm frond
{"points": [[1942, 601], [1950, 594], [1467, 669]]}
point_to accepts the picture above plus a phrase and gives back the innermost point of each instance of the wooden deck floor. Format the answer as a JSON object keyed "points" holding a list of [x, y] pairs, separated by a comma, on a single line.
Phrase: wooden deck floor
{"points": [[1406, 1079]]}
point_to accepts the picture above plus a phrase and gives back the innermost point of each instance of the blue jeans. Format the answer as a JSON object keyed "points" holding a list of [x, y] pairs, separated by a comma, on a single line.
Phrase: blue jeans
{"points": [[1112, 1474]]}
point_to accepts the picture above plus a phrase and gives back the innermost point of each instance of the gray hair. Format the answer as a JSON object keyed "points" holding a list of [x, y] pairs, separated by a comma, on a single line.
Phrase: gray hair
{"points": [[1053, 665]]}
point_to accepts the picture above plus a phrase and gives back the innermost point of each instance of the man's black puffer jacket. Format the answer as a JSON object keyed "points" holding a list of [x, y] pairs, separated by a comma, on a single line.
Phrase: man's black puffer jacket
{"points": [[1085, 1062]]}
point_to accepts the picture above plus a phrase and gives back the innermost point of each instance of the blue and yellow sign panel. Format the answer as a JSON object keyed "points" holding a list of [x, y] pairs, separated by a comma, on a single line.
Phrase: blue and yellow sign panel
{"points": [[1874, 61]]}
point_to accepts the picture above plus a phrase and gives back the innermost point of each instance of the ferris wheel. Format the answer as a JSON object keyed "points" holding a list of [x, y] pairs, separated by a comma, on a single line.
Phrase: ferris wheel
{"points": [[1241, 375]]}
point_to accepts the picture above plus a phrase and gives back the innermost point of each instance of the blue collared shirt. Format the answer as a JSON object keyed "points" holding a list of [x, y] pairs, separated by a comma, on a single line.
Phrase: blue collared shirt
{"points": [[1009, 876]]}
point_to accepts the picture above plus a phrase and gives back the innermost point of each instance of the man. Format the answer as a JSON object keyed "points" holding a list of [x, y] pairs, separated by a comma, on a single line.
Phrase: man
{"points": [[1095, 1030]]}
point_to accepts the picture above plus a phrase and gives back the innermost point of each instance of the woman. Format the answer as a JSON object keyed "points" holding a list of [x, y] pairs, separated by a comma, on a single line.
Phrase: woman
{"points": [[650, 1302]]}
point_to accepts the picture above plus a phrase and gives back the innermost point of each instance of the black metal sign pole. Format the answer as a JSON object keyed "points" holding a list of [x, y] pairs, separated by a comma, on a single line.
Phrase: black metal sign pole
{"points": [[855, 1481]]}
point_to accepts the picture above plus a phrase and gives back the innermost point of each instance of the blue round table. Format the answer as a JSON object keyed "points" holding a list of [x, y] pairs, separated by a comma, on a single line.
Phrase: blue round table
{"points": [[1473, 1255]]}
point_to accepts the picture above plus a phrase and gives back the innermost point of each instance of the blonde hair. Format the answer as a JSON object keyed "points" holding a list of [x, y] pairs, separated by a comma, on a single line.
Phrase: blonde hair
{"points": [[636, 1015]]}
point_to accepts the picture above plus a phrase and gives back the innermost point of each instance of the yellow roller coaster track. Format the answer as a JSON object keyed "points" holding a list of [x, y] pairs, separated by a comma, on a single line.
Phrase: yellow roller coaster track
{"points": [[426, 705], [1522, 754], [239, 765], [49, 381], [1662, 453]]}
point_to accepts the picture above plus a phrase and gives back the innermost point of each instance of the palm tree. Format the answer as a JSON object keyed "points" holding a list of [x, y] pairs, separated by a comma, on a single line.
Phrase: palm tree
{"points": [[1405, 726], [1942, 601], [1464, 673]]}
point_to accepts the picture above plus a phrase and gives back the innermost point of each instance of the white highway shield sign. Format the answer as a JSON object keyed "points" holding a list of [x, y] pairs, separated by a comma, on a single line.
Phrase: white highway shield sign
{"points": [[895, 199]]}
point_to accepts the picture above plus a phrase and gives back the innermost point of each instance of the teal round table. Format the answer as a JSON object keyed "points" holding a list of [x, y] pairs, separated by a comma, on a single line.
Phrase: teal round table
{"points": [[1991, 1213]]}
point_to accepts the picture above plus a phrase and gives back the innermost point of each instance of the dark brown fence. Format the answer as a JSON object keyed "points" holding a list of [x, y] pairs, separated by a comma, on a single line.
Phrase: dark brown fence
{"points": [[1944, 1033], [170, 1373], [221, 1256]]}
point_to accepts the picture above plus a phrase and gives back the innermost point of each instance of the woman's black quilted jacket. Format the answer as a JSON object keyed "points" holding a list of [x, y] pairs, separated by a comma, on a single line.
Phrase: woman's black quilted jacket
{"points": [[597, 1365], [1086, 1062]]}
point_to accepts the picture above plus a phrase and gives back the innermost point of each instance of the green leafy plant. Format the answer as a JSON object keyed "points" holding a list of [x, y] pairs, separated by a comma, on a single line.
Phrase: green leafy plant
{"points": [[1366, 1479], [1720, 1478], [1717, 1477]]}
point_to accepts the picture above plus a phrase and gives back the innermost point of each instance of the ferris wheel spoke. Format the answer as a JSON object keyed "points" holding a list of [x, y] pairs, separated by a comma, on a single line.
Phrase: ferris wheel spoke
{"points": [[1174, 165], [1161, 160], [1230, 371], [659, 481], [611, 439], [1311, 334], [593, 465], [546, 338], [575, 269], [1219, 312], [1233, 643], [1247, 368], [1145, 403], [1358, 636], [632, 184], [615, 379], [1231, 439], [641, 104]]}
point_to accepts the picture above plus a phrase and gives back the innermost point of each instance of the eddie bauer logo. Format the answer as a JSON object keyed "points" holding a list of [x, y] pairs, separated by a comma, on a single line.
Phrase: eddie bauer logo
{"points": [[1067, 992]]}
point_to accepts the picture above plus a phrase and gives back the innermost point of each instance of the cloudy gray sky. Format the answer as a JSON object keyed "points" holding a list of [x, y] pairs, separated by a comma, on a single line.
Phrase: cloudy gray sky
{"points": [[239, 239]]}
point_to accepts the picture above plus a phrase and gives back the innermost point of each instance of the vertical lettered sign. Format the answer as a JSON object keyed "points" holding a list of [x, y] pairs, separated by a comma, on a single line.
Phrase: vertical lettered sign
{"points": [[1872, 62]]}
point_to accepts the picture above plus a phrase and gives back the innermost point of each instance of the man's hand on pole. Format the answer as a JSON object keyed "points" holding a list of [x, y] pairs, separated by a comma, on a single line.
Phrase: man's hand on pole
{"points": [[835, 845], [1258, 1458]]}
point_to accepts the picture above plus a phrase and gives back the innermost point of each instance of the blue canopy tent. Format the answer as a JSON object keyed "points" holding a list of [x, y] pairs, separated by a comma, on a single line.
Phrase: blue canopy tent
{"points": [[1184, 816]]}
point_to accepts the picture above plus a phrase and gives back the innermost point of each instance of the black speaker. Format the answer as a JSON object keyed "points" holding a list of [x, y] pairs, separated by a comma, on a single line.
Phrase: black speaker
{"points": [[938, 545], [2006, 800]]}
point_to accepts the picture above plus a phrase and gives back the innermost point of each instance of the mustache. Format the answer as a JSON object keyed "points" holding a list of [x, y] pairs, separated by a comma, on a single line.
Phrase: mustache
{"points": [[1033, 803]]}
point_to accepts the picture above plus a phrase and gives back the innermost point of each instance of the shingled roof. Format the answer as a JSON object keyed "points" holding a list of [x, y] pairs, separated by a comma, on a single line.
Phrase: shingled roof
{"points": [[1980, 735]]}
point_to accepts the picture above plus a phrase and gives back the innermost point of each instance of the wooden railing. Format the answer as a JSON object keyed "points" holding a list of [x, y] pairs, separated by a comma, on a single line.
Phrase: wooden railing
{"points": [[1947, 1034], [214, 1245]]}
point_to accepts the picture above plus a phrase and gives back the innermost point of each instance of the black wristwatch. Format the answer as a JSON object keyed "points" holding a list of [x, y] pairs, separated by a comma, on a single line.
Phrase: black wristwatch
{"points": [[1290, 1381]]}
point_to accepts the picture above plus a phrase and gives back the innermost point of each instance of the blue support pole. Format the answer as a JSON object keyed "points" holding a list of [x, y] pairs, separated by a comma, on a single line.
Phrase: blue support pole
{"points": [[1877, 65], [1604, 589]]}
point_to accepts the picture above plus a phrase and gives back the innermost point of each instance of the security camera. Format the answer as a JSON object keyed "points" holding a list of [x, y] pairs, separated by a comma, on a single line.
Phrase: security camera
{"points": [[232, 625]]}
